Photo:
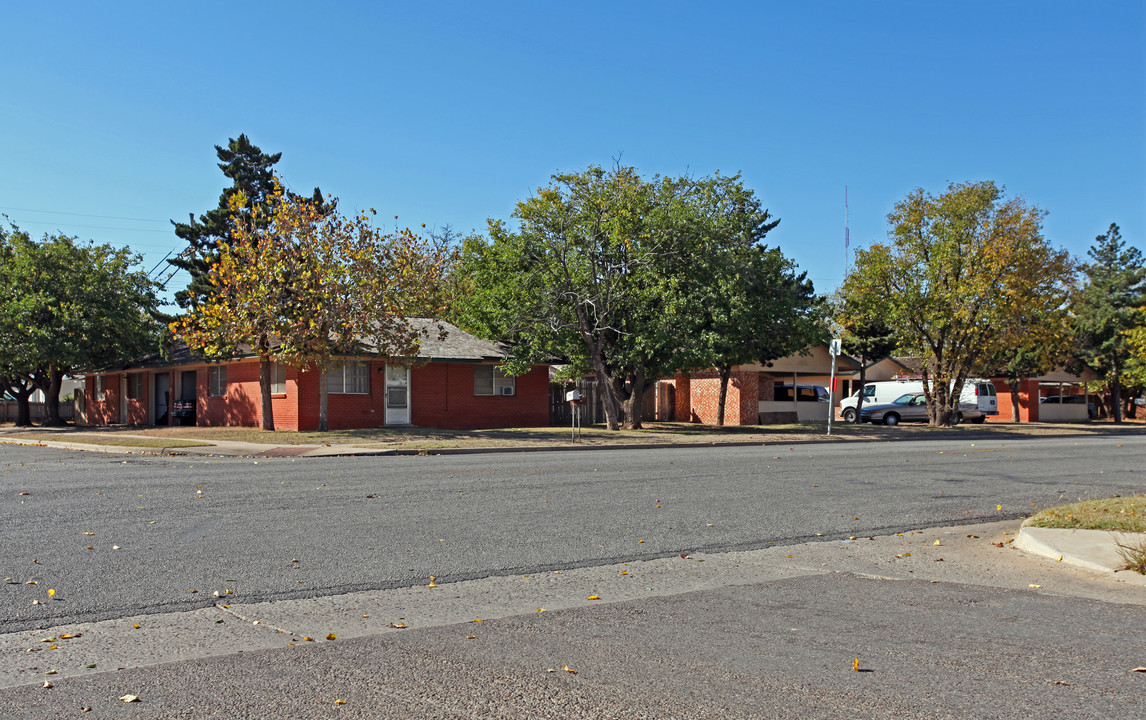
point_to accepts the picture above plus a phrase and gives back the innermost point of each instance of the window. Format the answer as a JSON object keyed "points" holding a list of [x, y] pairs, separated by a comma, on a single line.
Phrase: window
{"points": [[278, 379], [353, 378], [491, 380], [217, 380], [101, 394], [135, 386]]}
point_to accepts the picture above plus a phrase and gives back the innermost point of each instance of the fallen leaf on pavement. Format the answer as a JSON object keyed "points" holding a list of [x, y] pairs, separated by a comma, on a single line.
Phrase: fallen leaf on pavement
{"points": [[398, 625], [332, 636], [129, 698], [48, 684], [1139, 669], [594, 597], [570, 670], [856, 665], [339, 701]]}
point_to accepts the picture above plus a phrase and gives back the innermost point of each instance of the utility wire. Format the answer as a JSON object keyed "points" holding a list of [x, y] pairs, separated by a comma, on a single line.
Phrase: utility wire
{"points": [[106, 217]]}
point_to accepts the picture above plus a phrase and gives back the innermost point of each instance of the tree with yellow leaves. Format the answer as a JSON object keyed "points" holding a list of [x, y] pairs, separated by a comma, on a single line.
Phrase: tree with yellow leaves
{"points": [[309, 285], [963, 277]]}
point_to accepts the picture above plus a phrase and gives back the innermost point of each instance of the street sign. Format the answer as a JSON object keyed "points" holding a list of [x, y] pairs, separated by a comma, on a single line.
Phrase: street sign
{"points": [[834, 346]]}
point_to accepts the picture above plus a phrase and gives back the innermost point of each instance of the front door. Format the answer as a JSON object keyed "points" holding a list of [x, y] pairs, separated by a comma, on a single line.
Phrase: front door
{"points": [[397, 395], [162, 398]]}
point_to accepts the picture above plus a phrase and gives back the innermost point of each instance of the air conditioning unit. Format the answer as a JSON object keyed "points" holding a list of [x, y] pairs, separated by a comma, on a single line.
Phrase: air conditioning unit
{"points": [[507, 390]]}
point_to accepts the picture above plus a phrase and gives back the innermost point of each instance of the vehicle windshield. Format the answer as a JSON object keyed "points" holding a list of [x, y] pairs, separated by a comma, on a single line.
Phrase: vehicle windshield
{"points": [[908, 399]]}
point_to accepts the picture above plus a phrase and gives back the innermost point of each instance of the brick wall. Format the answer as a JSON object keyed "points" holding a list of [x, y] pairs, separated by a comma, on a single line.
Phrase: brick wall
{"points": [[442, 395], [701, 401], [101, 412], [683, 411], [1028, 401]]}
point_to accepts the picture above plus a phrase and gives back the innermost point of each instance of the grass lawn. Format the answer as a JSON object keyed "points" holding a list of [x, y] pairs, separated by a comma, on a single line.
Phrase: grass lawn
{"points": [[431, 438], [1121, 514]]}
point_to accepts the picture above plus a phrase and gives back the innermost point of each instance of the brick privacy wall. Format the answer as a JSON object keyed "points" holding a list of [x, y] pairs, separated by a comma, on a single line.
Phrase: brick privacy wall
{"points": [[767, 383], [741, 403], [683, 400]]}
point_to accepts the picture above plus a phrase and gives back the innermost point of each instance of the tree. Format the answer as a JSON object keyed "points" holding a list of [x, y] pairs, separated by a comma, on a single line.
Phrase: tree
{"points": [[1035, 342], [599, 272], [957, 271], [252, 175], [12, 380], [866, 336], [745, 303], [1109, 308], [305, 285], [67, 305]]}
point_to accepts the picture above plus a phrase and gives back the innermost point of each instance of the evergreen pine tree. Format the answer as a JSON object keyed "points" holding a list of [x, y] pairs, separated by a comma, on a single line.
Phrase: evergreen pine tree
{"points": [[1109, 306], [250, 170]]}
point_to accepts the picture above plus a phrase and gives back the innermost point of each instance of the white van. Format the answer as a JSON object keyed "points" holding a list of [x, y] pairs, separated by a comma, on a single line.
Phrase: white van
{"points": [[977, 401]]}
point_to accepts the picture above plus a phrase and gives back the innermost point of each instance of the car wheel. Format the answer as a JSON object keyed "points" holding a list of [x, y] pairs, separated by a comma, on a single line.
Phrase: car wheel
{"points": [[849, 415], [958, 418], [891, 419]]}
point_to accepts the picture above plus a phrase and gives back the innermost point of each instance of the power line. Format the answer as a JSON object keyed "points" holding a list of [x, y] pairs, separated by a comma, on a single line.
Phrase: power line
{"points": [[105, 217], [93, 227]]}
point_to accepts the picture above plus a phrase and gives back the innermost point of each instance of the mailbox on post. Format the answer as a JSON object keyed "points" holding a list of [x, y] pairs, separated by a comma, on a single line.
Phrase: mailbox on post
{"points": [[575, 400]]}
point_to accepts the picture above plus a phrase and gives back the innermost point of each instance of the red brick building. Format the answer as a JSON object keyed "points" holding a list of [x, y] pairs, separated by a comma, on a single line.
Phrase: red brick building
{"points": [[781, 392], [455, 382]]}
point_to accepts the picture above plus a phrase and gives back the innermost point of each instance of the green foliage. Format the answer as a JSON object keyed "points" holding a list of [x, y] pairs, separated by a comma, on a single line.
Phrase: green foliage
{"points": [[1110, 311], [960, 272], [66, 305], [633, 280]]}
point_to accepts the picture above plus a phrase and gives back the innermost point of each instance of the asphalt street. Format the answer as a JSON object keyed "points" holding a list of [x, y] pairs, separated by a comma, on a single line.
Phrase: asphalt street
{"points": [[119, 535]]}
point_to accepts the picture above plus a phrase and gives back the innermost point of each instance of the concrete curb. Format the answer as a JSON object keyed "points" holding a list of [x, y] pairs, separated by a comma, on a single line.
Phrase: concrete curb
{"points": [[1093, 550]]}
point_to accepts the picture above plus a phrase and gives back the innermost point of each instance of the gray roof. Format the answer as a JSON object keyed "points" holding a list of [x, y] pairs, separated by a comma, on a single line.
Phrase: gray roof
{"points": [[456, 345]]}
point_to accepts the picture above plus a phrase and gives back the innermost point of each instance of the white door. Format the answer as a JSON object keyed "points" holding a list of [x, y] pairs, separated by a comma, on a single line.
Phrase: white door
{"points": [[397, 395]]}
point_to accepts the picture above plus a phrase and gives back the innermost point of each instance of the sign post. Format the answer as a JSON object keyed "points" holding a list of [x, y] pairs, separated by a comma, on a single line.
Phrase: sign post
{"points": [[834, 349]]}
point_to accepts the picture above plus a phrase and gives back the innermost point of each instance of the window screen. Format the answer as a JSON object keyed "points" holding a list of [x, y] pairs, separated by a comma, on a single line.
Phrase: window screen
{"points": [[217, 381], [491, 380]]}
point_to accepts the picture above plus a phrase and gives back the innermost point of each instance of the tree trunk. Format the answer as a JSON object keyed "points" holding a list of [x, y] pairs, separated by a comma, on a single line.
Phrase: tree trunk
{"points": [[323, 396], [265, 391], [52, 398], [608, 395], [23, 392], [1014, 386], [633, 403], [1115, 390], [725, 374]]}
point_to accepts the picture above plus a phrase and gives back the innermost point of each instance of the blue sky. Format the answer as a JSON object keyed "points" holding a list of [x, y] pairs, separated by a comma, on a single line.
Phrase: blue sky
{"points": [[449, 113]]}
